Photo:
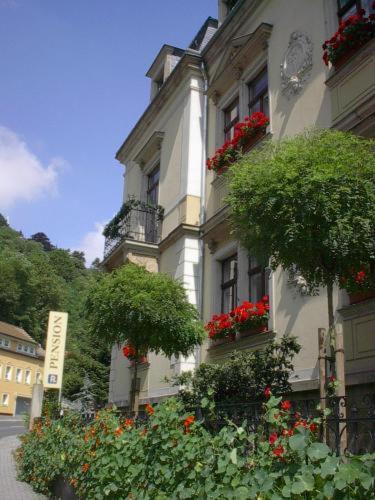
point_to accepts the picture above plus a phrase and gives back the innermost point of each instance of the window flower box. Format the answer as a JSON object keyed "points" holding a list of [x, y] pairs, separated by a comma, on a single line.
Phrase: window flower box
{"points": [[353, 33], [247, 317], [134, 357], [359, 284], [246, 134]]}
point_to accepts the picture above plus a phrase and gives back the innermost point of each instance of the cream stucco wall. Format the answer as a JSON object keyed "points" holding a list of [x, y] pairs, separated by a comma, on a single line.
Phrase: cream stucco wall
{"points": [[12, 387]]}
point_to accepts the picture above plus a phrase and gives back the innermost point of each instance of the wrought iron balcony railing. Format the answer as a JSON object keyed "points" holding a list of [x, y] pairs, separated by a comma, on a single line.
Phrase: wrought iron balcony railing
{"points": [[141, 223]]}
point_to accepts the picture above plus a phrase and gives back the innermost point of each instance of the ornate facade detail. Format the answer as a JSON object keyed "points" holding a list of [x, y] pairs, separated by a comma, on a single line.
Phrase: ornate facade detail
{"points": [[297, 64]]}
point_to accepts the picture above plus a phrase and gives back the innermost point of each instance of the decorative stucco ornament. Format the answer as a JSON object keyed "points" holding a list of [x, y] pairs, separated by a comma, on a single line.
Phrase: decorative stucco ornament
{"points": [[297, 64]]}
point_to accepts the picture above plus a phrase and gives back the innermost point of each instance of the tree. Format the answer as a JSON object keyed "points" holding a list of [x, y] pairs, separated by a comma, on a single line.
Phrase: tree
{"points": [[43, 239], [309, 202], [3, 221], [149, 311]]}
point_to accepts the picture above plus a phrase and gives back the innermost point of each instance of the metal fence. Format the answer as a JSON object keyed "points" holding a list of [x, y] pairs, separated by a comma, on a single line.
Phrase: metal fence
{"points": [[356, 418]]}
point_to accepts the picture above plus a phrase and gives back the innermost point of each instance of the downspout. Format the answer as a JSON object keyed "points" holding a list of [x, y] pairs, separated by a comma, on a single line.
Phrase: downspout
{"points": [[202, 214]]}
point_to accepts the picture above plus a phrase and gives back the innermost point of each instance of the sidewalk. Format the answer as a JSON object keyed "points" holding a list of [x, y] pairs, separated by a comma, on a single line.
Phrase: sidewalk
{"points": [[10, 488]]}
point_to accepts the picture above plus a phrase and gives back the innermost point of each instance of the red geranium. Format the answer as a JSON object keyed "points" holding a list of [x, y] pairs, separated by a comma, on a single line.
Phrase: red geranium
{"points": [[352, 34], [267, 392], [231, 150]]}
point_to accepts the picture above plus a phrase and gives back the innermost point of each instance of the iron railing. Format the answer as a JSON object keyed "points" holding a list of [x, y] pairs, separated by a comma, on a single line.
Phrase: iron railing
{"points": [[140, 224], [358, 420]]}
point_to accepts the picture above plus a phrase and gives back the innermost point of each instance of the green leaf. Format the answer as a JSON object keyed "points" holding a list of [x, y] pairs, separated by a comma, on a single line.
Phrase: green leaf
{"points": [[242, 493], [297, 442], [318, 451], [303, 483], [329, 466], [233, 456]]}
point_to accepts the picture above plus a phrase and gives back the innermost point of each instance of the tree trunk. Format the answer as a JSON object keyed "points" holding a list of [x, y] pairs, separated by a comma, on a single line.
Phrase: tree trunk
{"points": [[134, 392], [331, 317]]}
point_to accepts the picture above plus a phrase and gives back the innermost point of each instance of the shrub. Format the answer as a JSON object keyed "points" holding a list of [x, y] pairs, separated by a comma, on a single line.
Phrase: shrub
{"points": [[173, 456], [242, 378]]}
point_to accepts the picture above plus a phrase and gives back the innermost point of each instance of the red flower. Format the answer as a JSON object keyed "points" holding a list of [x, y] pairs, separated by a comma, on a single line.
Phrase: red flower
{"points": [[118, 431], [85, 467], [129, 351], [189, 420], [149, 409], [332, 378], [267, 392], [313, 427], [278, 452], [286, 405], [273, 438], [265, 298], [128, 422]]}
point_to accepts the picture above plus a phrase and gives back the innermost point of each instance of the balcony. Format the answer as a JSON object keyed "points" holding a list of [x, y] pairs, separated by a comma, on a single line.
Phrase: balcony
{"points": [[136, 222]]}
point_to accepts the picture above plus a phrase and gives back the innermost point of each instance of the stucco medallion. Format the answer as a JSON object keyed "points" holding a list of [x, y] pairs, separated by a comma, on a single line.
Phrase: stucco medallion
{"points": [[297, 64]]}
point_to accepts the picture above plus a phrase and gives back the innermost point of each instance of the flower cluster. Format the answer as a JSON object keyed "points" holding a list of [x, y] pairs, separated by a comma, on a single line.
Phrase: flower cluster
{"points": [[353, 32], [187, 423], [231, 150], [360, 279], [286, 424], [247, 316], [132, 354]]}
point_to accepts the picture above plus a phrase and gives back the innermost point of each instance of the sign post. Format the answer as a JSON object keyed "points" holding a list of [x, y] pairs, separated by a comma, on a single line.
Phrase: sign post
{"points": [[55, 351]]}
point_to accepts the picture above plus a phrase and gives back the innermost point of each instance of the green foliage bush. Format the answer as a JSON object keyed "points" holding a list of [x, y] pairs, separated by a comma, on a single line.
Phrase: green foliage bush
{"points": [[171, 456], [243, 377]]}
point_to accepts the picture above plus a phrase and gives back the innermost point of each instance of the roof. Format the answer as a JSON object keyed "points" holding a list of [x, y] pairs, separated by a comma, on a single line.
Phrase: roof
{"points": [[204, 34], [15, 332], [20, 334]]}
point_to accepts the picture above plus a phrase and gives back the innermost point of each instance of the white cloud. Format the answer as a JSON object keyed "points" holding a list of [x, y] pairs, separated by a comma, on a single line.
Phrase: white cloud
{"points": [[92, 244], [23, 177]]}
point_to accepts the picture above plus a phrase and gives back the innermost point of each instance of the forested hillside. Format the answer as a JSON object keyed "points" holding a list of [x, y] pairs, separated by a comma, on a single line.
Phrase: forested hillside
{"points": [[36, 277]]}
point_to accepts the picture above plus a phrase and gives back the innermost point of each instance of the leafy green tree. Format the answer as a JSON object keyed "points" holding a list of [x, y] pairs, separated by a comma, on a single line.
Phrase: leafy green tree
{"points": [[149, 311], [309, 202], [33, 282], [3, 221], [43, 239]]}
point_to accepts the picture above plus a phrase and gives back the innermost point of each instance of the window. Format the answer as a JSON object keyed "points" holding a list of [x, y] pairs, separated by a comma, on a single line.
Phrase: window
{"points": [[4, 342], [258, 94], [26, 348], [153, 186], [38, 378], [19, 375], [28, 377], [1, 371], [229, 284], [5, 399], [231, 117], [347, 8], [257, 280], [8, 373]]}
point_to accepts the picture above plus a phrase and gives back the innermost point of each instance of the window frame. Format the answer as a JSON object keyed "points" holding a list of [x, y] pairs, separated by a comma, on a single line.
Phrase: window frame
{"points": [[253, 271], [28, 371], [231, 283], [19, 378], [10, 368], [5, 403], [154, 186], [253, 99], [229, 125], [341, 11]]}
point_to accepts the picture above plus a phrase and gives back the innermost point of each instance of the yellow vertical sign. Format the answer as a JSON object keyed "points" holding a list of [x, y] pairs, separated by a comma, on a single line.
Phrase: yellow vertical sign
{"points": [[55, 350]]}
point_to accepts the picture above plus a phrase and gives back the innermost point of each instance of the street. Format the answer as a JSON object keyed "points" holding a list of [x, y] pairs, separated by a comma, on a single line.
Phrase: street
{"points": [[10, 488], [11, 426]]}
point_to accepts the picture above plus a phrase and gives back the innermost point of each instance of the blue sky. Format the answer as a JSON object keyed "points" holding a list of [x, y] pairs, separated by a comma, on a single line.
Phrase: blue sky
{"points": [[72, 86]]}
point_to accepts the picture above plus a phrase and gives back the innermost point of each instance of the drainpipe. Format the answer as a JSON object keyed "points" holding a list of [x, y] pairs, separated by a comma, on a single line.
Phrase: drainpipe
{"points": [[202, 214]]}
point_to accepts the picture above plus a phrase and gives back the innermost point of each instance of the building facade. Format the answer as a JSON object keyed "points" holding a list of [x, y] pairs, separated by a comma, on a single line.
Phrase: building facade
{"points": [[21, 366], [261, 56]]}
